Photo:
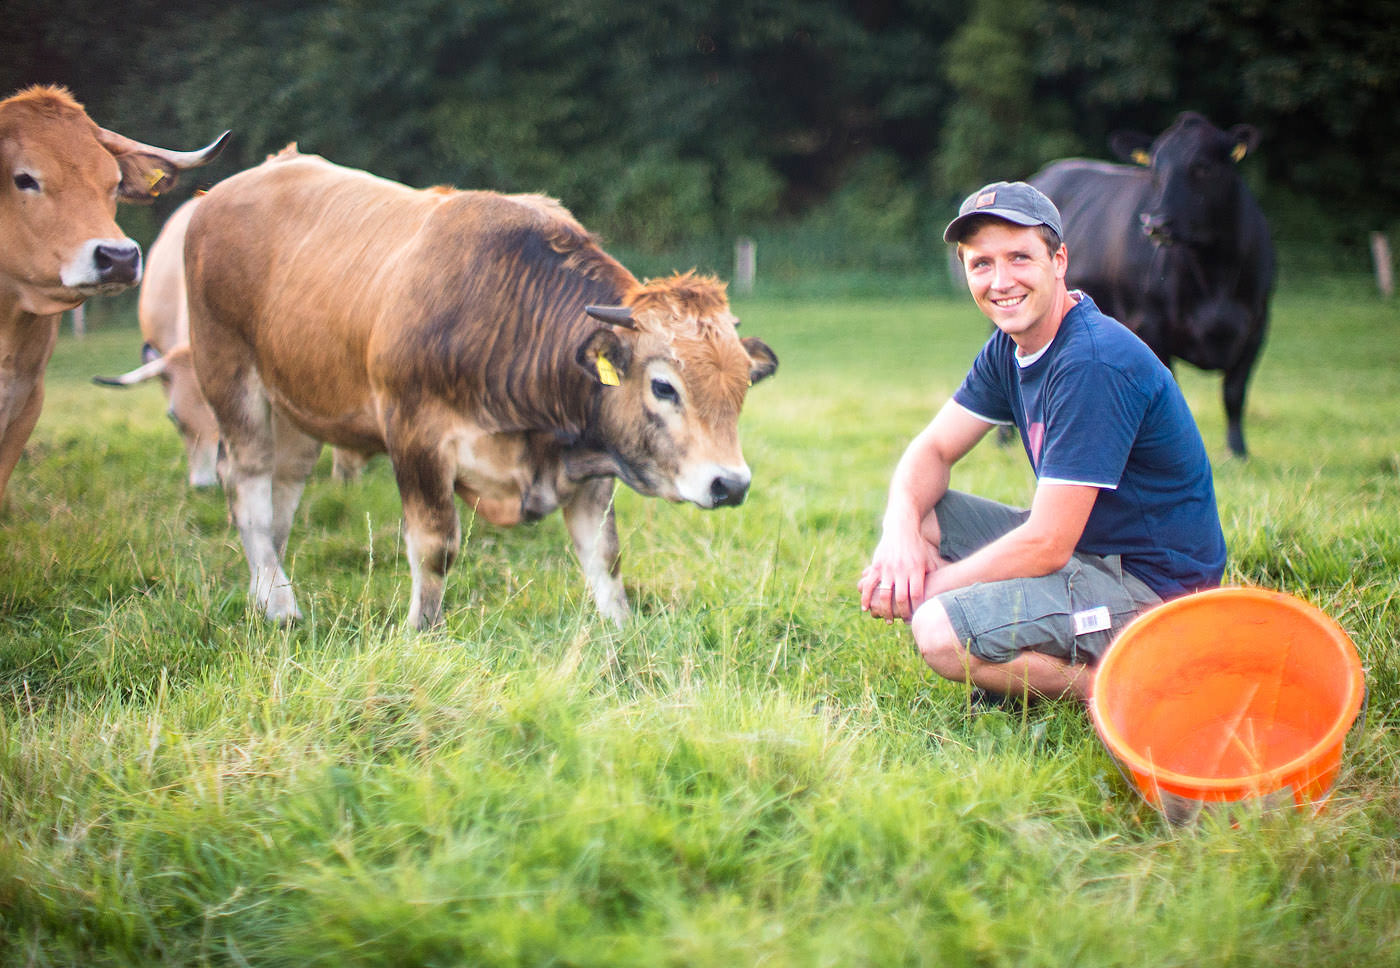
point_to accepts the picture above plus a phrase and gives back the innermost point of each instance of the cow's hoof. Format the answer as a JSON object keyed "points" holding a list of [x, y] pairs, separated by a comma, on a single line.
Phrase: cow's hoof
{"points": [[279, 606], [287, 614]]}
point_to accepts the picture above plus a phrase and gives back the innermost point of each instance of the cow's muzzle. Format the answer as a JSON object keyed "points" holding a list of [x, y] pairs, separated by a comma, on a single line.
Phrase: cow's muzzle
{"points": [[728, 490], [117, 262], [103, 265], [1158, 228]]}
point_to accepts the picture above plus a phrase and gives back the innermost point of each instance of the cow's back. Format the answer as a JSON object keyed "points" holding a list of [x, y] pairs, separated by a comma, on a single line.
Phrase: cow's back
{"points": [[296, 238], [290, 266], [347, 290], [1100, 206]]}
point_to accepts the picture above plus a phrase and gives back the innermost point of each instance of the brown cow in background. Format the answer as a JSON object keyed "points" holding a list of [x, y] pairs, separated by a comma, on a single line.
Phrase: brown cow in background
{"points": [[59, 240], [165, 330], [484, 341]]}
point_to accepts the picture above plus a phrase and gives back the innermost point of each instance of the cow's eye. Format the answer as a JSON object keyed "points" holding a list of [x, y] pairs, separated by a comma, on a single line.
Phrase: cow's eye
{"points": [[662, 390], [26, 182]]}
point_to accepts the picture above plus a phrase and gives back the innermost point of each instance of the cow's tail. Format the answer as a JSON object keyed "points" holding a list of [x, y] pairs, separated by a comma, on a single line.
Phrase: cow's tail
{"points": [[149, 370]]}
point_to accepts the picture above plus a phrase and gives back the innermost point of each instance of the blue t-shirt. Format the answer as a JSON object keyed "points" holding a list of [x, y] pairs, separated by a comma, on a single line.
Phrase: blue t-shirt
{"points": [[1097, 407]]}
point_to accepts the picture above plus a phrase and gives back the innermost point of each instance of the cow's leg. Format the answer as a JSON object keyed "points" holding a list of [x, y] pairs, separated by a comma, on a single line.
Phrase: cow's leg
{"points": [[22, 391], [589, 517], [22, 408], [1236, 382], [249, 470], [347, 465], [432, 529], [1234, 387], [294, 457]]}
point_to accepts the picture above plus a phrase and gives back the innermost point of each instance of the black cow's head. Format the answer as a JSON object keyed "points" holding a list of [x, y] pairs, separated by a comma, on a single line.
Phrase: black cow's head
{"points": [[1195, 184]]}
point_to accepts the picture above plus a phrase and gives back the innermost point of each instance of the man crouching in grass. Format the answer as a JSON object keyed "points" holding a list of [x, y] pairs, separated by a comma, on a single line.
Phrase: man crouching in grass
{"points": [[1024, 603]]}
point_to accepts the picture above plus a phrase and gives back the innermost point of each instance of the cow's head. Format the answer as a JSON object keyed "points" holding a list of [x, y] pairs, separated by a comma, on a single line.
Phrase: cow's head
{"points": [[673, 374], [61, 177], [1195, 184]]}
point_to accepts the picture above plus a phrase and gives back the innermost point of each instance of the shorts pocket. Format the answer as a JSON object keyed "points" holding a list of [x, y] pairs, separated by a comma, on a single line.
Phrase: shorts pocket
{"points": [[1100, 607]]}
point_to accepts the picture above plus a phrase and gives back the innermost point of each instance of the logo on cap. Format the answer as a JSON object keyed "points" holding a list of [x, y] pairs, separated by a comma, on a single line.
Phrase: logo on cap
{"points": [[985, 199]]}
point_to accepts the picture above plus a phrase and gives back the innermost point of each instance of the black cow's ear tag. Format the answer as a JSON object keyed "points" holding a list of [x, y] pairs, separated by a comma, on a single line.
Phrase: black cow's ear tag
{"points": [[607, 375]]}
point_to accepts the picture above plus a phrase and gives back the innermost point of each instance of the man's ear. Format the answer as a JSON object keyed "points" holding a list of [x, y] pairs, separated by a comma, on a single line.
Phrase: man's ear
{"points": [[762, 361], [605, 356]]}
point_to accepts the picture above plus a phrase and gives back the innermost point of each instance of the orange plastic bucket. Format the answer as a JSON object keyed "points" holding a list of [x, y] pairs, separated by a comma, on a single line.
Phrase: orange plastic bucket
{"points": [[1229, 695]]}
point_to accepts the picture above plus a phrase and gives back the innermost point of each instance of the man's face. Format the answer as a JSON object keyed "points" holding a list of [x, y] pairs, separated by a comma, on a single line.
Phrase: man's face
{"points": [[1015, 280]]}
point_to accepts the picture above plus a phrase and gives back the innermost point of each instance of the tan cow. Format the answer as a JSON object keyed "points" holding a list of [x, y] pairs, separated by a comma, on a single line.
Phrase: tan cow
{"points": [[59, 241], [165, 330], [165, 354], [458, 331]]}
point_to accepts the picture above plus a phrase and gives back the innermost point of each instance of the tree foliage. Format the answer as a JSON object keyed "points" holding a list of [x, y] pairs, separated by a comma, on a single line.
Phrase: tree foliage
{"points": [[707, 117]]}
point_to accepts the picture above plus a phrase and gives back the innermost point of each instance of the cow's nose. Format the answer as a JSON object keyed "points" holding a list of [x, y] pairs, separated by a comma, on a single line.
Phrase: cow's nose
{"points": [[1158, 227], [117, 261], [727, 490]]}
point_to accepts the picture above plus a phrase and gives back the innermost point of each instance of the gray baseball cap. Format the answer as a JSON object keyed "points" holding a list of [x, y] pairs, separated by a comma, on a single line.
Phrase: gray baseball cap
{"points": [[1013, 201]]}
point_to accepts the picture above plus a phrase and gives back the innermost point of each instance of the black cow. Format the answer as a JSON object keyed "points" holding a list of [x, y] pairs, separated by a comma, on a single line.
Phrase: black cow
{"points": [[1175, 247]]}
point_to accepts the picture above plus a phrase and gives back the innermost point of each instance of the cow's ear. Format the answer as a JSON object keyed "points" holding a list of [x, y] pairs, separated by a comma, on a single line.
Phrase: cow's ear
{"points": [[605, 356], [762, 361], [1131, 146], [1246, 139], [144, 177]]}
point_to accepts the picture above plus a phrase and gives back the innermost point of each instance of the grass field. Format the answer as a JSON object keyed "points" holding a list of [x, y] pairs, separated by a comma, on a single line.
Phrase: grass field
{"points": [[750, 773]]}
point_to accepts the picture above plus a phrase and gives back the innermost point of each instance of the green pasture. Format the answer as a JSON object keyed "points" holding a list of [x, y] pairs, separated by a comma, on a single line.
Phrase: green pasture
{"points": [[749, 773]]}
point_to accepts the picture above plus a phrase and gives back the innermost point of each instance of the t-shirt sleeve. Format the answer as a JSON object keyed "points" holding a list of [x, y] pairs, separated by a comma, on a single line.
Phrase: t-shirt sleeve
{"points": [[983, 392], [1092, 418]]}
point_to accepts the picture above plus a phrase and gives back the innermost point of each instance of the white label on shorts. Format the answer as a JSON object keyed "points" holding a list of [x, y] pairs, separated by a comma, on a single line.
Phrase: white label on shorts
{"points": [[1092, 620]]}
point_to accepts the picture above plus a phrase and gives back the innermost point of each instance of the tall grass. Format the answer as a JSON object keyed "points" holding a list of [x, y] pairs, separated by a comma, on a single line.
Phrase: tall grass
{"points": [[749, 773]]}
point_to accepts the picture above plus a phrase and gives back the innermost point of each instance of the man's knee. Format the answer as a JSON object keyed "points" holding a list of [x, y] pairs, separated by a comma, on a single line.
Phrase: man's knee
{"points": [[938, 642]]}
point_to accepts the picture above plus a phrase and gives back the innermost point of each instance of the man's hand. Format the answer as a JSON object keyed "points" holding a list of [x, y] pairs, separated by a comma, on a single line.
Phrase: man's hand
{"points": [[892, 585]]}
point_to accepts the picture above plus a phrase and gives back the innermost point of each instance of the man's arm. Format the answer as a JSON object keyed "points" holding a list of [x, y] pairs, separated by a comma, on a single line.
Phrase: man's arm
{"points": [[1041, 545], [892, 585]]}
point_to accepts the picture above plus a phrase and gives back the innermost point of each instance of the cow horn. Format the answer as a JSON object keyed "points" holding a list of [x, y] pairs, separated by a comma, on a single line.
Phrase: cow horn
{"points": [[616, 315], [121, 144]]}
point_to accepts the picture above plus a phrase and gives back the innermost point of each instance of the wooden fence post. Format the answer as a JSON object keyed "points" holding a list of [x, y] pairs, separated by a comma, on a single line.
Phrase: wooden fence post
{"points": [[745, 264], [1380, 254]]}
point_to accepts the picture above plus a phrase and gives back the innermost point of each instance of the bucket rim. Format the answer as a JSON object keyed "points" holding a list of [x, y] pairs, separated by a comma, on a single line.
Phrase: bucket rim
{"points": [[1160, 776]]}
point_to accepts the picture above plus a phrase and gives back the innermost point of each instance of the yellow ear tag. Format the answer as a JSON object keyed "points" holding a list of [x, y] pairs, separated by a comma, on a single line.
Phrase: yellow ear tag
{"points": [[606, 374], [1142, 157], [1238, 152], [154, 179]]}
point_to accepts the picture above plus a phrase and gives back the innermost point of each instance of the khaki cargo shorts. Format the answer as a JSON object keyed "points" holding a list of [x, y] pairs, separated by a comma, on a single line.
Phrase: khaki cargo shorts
{"points": [[1073, 613]]}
